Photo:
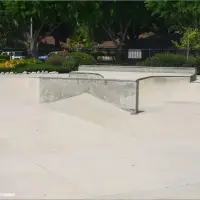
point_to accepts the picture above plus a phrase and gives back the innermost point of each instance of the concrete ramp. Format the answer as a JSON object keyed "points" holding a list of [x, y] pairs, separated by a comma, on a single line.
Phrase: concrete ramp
{"points": [[121, 93], [156, 91], [21, 90], [89, 108]]}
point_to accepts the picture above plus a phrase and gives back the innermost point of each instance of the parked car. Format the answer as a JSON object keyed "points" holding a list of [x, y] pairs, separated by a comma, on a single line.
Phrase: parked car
{"points": [[46, 57], [15, 55]]}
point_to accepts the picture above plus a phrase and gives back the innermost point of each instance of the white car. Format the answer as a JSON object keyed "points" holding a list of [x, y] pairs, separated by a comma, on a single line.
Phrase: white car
{"points": [[46, 57], [15, 55]]}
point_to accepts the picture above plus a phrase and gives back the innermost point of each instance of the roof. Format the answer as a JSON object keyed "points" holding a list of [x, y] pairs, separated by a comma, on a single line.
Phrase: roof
{"points": [[107, 44]]}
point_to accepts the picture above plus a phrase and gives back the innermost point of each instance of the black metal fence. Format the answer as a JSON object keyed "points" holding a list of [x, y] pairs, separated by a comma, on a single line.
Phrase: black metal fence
{"points": [[125, 56], [132, 56]]}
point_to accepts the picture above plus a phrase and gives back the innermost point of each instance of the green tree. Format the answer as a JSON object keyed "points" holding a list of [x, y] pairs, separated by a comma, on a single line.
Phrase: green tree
{"points": [[81, 39], [114, 19], [190, 40], [8, 26], [43, 15], [179, 14]]}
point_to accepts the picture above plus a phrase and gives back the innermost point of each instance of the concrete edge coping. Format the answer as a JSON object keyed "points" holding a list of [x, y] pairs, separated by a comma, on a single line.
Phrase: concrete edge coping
{"points": [[153, 76], [91, 73], [120, 80], [40, 76], [135, 68], [94, 79], [131, 66]]}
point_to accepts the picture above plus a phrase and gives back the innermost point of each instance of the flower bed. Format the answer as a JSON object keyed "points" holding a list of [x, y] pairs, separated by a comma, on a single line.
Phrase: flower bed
{"points": [[35, 65], [57, 63]]}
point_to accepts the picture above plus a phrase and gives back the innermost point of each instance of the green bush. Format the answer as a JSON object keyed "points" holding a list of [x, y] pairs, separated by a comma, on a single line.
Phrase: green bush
{"points": [[5, 57], [198, 62], [71, 65], [198, 65], [37, 67], [2, 60], [32, 61], [191, 62], [56, 60], [3, 69], [165, 60], [168, 60], [83, 58]]}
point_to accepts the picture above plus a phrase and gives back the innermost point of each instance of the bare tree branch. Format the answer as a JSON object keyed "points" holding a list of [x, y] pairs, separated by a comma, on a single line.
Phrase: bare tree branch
{"points": [[121, 31], [108, 32], [53, 29], [36, 34], [126, 29]]}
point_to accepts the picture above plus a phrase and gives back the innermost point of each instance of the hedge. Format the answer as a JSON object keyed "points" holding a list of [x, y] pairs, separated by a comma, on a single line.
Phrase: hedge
{"points": [[71, 65], [38, 67], [2, 60], [34, 65], [169, 60], [56, 60], [82, 58], [5, 57], [58, 63]]}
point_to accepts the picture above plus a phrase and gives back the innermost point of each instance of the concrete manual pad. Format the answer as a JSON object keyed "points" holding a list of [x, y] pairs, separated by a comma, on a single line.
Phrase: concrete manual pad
{"points": [[131, 75], [85, 148]]}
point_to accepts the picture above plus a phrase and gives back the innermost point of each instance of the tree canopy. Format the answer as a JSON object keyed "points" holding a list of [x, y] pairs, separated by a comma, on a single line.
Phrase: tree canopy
{"points": [[180, 14], [94, 21]]}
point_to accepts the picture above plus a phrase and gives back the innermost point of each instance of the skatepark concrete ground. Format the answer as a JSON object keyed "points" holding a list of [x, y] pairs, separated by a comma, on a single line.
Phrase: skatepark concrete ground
{"points": [[83, 147]]}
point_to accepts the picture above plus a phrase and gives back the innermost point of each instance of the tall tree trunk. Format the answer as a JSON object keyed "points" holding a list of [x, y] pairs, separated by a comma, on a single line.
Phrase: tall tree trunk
{"points": [[33, 50], [122, 37]]}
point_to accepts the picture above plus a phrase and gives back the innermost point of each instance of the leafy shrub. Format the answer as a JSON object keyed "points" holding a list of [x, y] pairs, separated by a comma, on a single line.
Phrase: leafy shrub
{"points": [[11, 63], [198, 65], [191, 62], [16, 63], [71, 65], [6, 57], [56, 60], [165, 60], [32, 61], [198, 61], [2, 60], [168, 60], [83, 58], [39, 67]]}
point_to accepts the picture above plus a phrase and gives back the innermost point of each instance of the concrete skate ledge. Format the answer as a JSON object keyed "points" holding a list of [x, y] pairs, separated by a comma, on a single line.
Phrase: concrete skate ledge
{"points": [[77, 74], [190, 78], [121, 93], [42, 89], [137, 69]]}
